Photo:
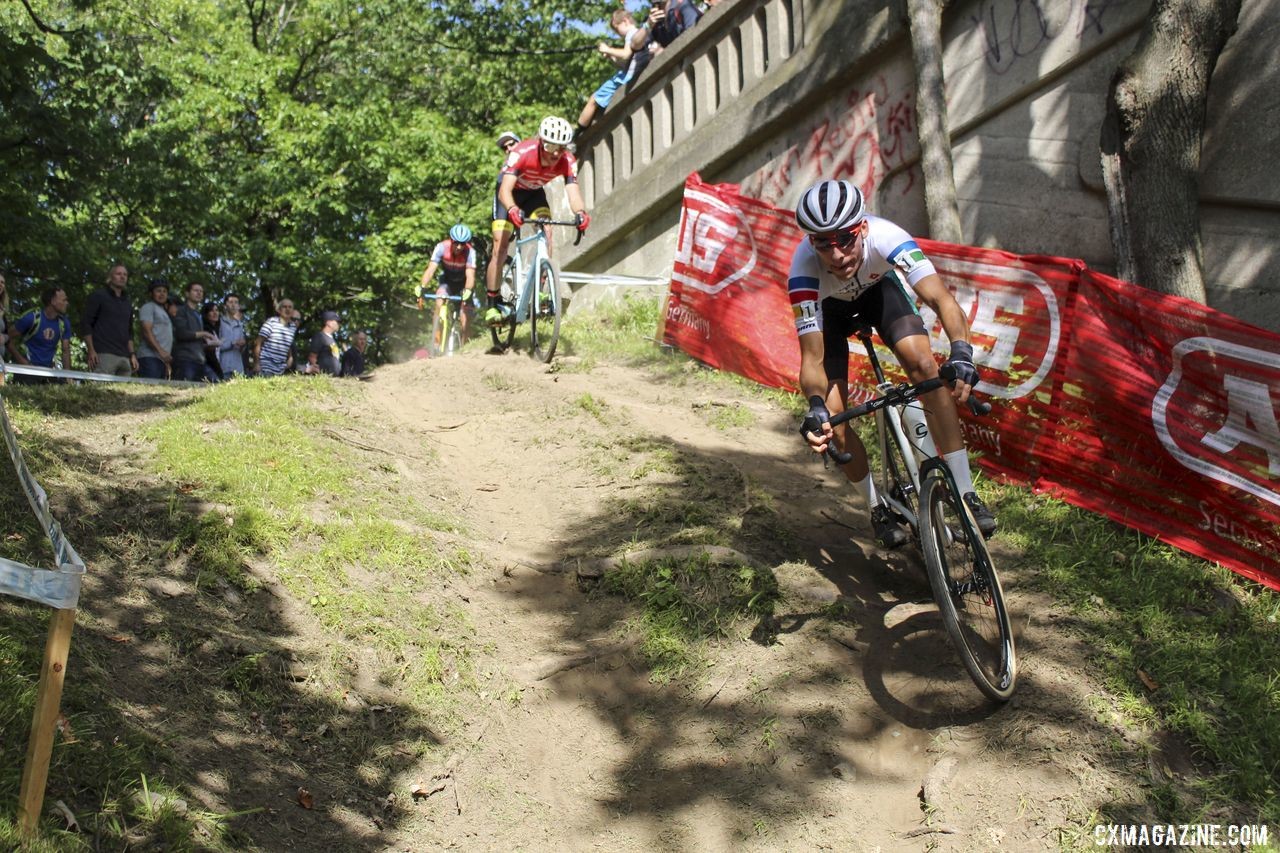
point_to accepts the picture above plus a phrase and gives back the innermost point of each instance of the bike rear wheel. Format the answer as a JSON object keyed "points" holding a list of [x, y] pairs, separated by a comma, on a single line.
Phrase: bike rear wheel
{"points": [[965, 586], [544, 313], [504, 333]]}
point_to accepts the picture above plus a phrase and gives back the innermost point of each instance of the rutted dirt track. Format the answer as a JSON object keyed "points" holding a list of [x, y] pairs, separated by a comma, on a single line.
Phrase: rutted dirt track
{"points": [[814, 729]]}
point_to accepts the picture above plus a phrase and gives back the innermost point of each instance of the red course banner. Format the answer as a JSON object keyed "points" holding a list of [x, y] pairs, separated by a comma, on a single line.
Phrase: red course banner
{"points": [[1155, 411]]}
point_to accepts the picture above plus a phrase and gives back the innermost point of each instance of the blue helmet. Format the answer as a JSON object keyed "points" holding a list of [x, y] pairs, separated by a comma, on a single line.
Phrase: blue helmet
{"points": [[460, 234]]}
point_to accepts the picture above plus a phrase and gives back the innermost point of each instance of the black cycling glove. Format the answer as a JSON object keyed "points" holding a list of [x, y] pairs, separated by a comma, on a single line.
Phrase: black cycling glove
{"points": [[816, 417], [962, 360]]}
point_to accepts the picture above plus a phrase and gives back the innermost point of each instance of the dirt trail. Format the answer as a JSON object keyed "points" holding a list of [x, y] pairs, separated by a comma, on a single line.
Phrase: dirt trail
{"points": [[813, 730]]}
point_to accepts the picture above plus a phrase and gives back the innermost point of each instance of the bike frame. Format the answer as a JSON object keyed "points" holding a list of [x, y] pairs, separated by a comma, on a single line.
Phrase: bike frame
{"points": [[937, 530], [523, 279], [889, 427], [445, 316]]}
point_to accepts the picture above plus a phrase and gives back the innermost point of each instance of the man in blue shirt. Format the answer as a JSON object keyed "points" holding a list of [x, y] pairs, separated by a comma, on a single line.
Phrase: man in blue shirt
{"points": [[41, 331]]}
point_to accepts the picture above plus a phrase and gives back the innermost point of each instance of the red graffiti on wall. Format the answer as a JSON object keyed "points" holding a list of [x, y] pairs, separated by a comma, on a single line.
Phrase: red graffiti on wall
{"points": [[873, 133]]}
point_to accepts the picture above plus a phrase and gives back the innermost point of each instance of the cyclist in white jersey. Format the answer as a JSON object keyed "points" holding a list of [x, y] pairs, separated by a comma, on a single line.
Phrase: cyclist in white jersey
{"points": [[855, 269]]}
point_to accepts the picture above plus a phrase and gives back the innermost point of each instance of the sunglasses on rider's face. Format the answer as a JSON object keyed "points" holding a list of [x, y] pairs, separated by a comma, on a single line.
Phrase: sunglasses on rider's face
{"points": [[839, 240], [552, 148]]}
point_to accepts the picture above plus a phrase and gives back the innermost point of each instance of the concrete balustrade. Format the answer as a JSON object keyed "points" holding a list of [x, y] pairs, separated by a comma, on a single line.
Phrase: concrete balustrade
{"points": [[773, 94]]}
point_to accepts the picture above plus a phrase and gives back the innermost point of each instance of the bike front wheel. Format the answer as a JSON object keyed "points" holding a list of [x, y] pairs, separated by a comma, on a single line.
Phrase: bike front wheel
{"points": [[440, 329], [505, 332], [965, 586], [453, 339], [544, 313]]}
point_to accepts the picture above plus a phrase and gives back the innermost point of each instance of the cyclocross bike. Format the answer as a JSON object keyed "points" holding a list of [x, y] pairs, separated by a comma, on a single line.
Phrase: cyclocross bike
{"points": [[533, 288], [921, 491], [446, 327]]}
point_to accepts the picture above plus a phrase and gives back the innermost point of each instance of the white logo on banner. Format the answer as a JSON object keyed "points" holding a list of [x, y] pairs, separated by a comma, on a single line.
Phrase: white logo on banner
{"points": [[1248, 402], [703, 237], [999, 357]]}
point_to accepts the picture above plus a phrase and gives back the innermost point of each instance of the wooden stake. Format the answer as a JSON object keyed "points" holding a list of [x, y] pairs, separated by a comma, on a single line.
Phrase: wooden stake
{"points": [[35, 773]]}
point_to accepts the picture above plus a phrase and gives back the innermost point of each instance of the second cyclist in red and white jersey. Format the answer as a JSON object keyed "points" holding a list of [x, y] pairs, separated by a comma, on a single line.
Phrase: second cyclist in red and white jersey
{"points": [[529, 167]]}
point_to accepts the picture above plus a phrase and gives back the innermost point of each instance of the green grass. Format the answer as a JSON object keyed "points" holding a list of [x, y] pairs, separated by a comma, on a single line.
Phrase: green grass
{"points": [[619, 333], [1207, 637], [278, 490], [98, 766], [686, 602], [592, 406], [729, 416], [356, 569]]}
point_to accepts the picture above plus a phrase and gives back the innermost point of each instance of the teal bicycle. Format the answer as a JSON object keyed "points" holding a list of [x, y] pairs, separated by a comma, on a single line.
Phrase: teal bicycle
{"points": [[530, 291]]}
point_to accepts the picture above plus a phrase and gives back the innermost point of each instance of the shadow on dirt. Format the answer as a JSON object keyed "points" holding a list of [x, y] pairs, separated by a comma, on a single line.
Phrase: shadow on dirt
{"points": [[821, 687], [202, 681]]}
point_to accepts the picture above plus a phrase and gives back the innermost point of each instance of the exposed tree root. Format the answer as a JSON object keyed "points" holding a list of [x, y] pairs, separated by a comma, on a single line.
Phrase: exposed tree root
{"points": [[544, 668], [717, 555]]}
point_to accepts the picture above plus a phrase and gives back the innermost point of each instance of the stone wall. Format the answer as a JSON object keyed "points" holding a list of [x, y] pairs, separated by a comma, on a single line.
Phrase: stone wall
{"points": [[771, 94]]}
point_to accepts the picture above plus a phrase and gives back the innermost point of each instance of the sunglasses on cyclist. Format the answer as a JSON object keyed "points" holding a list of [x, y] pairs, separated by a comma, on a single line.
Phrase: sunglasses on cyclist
{"points": [[839, 240], [552, 148]]}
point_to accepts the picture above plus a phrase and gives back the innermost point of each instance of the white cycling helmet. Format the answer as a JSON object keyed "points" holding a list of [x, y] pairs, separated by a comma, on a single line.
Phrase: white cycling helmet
{"points": [[830, 206], [507, 136], [555, 130]]}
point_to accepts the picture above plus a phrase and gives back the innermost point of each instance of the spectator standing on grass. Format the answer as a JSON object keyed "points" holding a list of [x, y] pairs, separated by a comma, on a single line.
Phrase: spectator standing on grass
{"points": [[41, 331], [353, 358], [667, 22], [231, 333], [108, 326], [4, 313], [630, 60], [190, 338], [211, 315], [273, 348], [322, 353], [155, 346]]}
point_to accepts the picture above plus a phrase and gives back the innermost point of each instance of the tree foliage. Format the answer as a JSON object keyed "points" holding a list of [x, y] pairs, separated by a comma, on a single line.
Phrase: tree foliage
{"points": [[312, 147]]}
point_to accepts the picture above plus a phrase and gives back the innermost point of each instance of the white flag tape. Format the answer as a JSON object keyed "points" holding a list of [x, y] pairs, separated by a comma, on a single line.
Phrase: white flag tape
{"points": [[59, 588], [56, 373], [634, 280]]}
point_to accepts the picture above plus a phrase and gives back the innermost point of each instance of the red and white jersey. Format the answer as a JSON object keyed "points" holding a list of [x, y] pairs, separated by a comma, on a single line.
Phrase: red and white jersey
{"points": [[524, 162], [445, 255]]}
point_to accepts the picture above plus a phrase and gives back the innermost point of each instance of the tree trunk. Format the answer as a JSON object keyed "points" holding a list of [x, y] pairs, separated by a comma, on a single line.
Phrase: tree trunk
{"points": [[1151, 140], [932, 126]]}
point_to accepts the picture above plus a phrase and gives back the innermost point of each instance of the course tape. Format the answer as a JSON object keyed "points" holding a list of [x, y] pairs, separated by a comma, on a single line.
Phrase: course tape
{"points": [[633, 280], [58, 588], [33, 370]]}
